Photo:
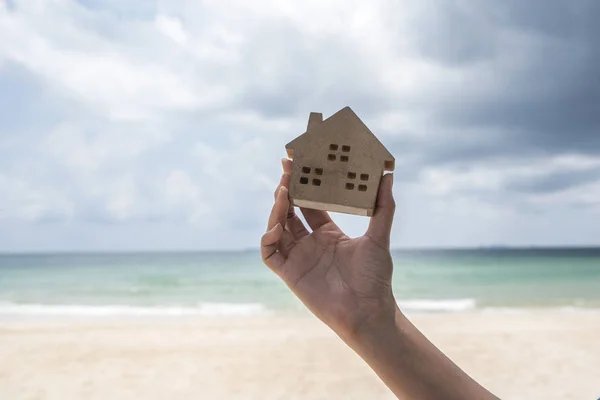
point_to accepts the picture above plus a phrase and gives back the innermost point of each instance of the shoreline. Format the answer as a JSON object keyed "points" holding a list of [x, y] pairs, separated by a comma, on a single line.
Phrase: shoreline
{"points": [[15, 311]]}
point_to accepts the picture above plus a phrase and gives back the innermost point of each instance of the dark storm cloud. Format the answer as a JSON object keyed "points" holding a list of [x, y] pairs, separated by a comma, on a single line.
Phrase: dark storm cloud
{"points": [[565, 117], [545, 103], [549, 98], [452, 34], [553, 182]]}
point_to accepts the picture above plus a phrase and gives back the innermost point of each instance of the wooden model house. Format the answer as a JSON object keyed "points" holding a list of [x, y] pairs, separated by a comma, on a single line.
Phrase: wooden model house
{"points": [[338, 164]]}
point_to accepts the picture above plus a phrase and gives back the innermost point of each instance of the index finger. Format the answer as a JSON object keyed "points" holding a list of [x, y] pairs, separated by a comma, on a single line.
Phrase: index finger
{"points": [[280, 209], [285, 178]]}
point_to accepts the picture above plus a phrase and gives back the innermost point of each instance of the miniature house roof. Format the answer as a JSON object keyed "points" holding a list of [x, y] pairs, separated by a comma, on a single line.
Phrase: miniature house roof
{"points": [[318, 126]]}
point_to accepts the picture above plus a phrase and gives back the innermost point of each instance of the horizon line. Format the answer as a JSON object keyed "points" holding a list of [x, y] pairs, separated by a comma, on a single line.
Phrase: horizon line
{"points": [[256, 249]]}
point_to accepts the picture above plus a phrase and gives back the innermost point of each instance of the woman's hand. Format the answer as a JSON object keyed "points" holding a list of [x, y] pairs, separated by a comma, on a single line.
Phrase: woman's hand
{"points": [[345, 282]]}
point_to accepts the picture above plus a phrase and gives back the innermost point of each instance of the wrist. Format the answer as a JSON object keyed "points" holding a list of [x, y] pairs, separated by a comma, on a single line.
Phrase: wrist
{"points": [[382, 320]]}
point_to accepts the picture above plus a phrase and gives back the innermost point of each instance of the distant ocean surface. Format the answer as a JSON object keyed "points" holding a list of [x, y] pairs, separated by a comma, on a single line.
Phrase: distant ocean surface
{"points": [[237, 283]]}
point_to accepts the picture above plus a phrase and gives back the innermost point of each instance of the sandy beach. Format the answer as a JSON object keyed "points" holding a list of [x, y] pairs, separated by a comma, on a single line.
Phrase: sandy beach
{"points": [[527, 355]]}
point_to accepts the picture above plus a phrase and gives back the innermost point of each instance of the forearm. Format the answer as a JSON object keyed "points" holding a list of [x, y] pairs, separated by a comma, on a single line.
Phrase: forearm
{"points": [[409, 364]]}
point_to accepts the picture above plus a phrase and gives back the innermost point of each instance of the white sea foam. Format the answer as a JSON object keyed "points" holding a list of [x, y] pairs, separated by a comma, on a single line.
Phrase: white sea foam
{"points": [[458, 305], [203, 309], [509, 310], [530, 310], [438, 305], [252, 309]]}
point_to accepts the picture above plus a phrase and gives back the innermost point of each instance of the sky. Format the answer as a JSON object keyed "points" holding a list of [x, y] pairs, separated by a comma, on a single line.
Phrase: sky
{"points": [[160, 125]]}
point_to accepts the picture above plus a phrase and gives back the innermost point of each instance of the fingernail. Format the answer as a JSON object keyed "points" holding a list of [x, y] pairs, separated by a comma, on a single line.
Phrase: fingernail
{"points": [[283, 160], [280, 191], [392, 178]]}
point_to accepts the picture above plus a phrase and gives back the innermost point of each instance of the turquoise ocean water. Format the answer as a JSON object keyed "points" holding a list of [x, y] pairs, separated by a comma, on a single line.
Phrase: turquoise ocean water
{"points": [[237, 283]]}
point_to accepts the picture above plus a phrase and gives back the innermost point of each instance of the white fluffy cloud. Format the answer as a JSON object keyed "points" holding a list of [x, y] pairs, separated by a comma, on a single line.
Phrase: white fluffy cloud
{"points": [[140, 119]]}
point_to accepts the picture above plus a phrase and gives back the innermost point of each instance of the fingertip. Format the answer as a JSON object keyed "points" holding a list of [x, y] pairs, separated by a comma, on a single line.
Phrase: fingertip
{"points": [[385, 188], [381, 223], [283, 195], [389, 179], [287, 165]]}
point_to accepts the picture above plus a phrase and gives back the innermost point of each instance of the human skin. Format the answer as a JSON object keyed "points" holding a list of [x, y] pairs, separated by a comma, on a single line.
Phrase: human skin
{"points": [[347, 283]]}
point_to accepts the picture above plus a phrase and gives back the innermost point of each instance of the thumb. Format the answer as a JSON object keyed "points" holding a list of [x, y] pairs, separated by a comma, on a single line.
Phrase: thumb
{"points": [[380, 226]]}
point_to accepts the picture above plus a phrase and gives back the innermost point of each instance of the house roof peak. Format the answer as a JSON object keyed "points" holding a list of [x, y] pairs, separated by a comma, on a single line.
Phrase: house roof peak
{"points": [[316, 126]]}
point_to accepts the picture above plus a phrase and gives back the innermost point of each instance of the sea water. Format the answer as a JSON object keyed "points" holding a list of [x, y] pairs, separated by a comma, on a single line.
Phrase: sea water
{"points": [[237, 283]]}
